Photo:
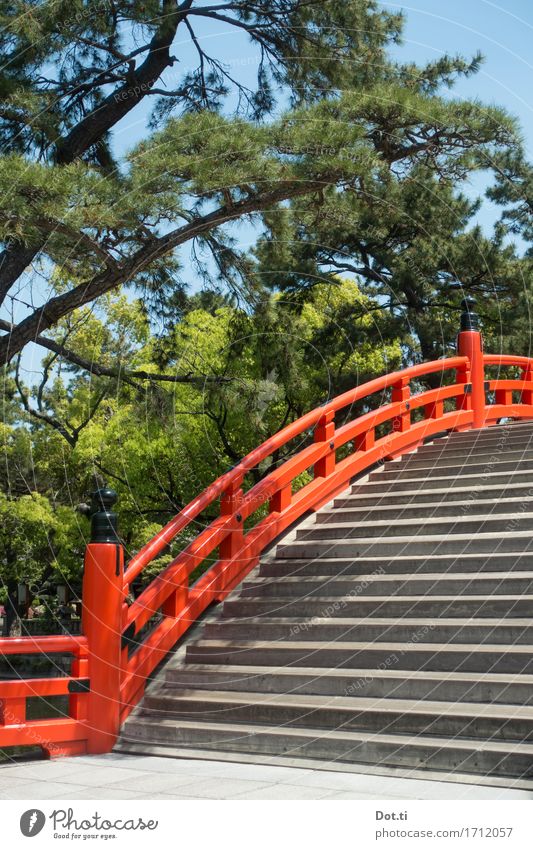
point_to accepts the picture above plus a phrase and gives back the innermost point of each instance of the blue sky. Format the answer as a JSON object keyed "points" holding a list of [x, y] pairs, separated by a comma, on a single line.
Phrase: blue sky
{"points": [[502, 32]]}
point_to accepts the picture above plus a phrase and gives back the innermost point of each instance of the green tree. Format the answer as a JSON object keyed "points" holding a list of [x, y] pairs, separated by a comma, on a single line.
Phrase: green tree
{"points": [[92, 221]]}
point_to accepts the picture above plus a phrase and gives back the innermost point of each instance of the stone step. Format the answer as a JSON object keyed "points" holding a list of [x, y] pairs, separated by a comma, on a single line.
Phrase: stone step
{"points": [[349, 510], [353, 683], [450, 606], [435, 657], [371, 495], [434, 563], [429, 526], [391, 716], [471, 449], [431, 460], [377, 483], [375, 629], [501, 467], [458, 583], [424, 752], [500, 434], [501, 542]]}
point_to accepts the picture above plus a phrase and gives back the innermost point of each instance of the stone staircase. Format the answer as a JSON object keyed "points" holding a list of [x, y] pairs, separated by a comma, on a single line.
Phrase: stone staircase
{"points": [[393, 629]]}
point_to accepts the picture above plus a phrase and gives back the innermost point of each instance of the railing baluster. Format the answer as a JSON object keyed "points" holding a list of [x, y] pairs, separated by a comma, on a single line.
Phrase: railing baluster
{"points": [[325, 432], [177, 600], [401, 392], [281, 499], [12, 711], [365, 441], [230, 501], [526, 376]]}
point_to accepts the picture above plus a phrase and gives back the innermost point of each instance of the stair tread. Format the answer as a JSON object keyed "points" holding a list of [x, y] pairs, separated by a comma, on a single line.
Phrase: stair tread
{"points": [[312, 645], [377, 620], [250, 729], [353, 673], [430, 520], [374, 599], [432, 538], [428, 505], [359, 704], [399, 576]]}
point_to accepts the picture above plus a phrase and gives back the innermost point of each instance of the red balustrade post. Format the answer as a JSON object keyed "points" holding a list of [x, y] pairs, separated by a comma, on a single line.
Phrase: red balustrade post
{"points": [[470, 344], [401, 392], [102, 599], [325, 432], [230, 501], [527, 377]]}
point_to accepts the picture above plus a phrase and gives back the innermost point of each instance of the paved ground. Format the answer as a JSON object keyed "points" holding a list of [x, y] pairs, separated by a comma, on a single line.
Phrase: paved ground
{"points": [[117, 776]]}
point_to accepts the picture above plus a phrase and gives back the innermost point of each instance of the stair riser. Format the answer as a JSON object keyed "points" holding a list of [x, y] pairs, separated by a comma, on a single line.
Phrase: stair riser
{"points": [[484, 586], [401, 546], [379, 484], [373, 721], [368, 686], [326, 568], [317, 630], [379, 513], [375, 752], [450, 457], [361, 607], [499, 440], [405, 496], [372, 657], [453, 525], [502, 468]]}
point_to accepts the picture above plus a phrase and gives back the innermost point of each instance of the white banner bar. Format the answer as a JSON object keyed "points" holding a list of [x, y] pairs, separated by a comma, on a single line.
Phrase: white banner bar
{"points": [[267, 824]]}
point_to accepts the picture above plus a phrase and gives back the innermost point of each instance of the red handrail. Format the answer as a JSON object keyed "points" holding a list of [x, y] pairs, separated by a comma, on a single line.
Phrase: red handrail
{"points": [[111, 626], [274, 443], [57, 736]]}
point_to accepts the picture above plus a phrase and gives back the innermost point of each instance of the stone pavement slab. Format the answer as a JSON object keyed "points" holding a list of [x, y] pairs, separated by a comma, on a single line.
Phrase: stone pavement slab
{"points": [[117, 776]]}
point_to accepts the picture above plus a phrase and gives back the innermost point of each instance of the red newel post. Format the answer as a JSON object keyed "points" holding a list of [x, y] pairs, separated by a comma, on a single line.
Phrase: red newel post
{"points": [[103, 596], [470, 344]]}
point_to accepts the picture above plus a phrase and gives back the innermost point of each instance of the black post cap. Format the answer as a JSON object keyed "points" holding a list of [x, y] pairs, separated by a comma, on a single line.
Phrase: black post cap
{"points": [[104, 522], [469, 318]]}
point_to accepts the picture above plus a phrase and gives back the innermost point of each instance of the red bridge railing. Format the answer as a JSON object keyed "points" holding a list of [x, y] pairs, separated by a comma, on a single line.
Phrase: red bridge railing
{"points": [[116, 674]]}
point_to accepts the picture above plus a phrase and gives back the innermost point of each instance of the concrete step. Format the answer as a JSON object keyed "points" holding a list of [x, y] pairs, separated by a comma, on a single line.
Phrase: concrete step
{"points": [[393, 546], [500, 434], [374, 629], [353, 683], [391, 716], [435, 657], [434, 563], [472, 449], [377, 483], [349, 607], [458, 583], [450, 457], [349, 511], [371, 495], [394, 471], [424, 752], [429, 526]]}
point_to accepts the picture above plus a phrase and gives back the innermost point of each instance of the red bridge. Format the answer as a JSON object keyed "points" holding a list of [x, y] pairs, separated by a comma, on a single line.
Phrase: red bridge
{"points": [[459, 696]]}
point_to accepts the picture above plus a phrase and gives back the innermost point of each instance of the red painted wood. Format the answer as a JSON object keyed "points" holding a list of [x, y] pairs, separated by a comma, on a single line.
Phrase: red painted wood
{"points": [[118, 681]]}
